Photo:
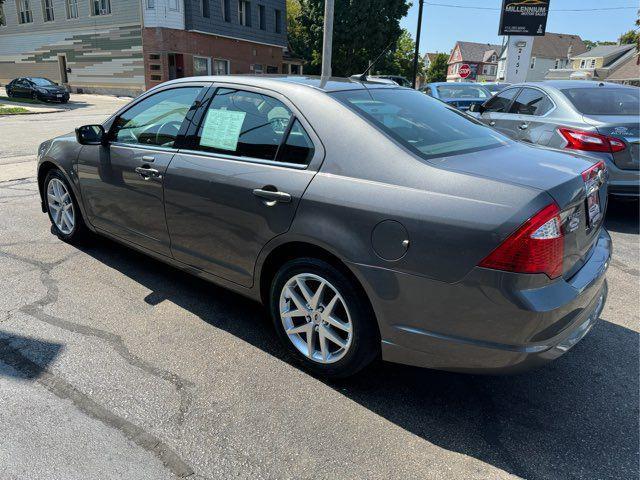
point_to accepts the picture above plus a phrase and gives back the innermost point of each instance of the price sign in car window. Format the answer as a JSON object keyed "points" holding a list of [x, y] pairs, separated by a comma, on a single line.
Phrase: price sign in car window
{"points": [[222, 129]]}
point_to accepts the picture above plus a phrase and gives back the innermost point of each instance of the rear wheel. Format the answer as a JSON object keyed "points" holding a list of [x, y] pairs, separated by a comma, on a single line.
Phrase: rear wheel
{"points": [[323, 319], [62, 207]]}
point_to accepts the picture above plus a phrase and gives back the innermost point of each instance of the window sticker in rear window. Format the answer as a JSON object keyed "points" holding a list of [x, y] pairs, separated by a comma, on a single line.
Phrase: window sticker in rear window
{"points": [[222, 129]]}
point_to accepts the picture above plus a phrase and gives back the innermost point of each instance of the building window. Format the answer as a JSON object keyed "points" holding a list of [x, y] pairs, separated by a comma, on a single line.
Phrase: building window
{"points": [[205, 9], [72, 9], [226, 9], [3, 21], [24, 11], [262, 18], [47, 11], [533, 63], [592, 64], [201, 66], [244, 13], [220, 67], [278, 21], [174, 6], [258, 68], [151, 4], [156, 78], [272, 69], [100, 7]]}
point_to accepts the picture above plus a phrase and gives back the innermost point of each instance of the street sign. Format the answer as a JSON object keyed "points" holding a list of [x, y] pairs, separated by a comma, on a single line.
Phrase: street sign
{"points": [[524, 17], [465, 71]]}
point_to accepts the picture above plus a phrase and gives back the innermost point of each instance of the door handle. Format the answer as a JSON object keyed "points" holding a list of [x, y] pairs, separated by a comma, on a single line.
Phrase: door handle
{"points": [[523, 126], [492, 123], [148, 173], [149, 159], [272, 197]]}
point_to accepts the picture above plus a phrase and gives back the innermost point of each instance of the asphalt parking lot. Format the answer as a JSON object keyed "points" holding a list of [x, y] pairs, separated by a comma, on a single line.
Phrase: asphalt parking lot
{"points": [[113, 366]]}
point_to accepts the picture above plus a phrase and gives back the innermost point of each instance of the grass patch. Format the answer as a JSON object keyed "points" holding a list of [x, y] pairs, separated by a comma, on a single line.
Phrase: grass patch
{"points": [[20, 100], [12, 110]]}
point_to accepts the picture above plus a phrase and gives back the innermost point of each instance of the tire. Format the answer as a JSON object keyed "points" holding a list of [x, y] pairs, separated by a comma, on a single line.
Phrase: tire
{"points": [[358, 330], [78, 232]]}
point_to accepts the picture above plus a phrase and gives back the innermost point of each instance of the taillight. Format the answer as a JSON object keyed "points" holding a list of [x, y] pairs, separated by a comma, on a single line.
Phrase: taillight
{"points": [[591, 142], [593, 172], [536, 247]]}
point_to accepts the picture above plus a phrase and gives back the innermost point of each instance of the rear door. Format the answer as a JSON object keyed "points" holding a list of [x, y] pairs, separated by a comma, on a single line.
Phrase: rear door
{"points": [[528, 115], [495, 114], [122, 180], [250, 157]]}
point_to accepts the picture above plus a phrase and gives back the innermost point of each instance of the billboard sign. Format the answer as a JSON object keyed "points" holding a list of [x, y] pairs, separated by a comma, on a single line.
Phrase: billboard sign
{"points": [[524, 17]]}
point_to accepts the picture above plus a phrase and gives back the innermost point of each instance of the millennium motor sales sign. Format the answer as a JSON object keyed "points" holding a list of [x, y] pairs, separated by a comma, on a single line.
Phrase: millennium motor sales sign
{"points": [[524, 17]]}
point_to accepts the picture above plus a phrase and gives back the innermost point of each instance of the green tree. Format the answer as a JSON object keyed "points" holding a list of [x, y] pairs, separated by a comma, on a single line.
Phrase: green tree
{"points": [[399, 61], [437, 71], [294, 28], [628, 38], [362, 30]]}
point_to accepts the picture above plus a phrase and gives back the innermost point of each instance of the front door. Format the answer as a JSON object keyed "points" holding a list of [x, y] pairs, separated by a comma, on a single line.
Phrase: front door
{"points": [[528, 115], [238, 185], [496, 112], [122, 181]]}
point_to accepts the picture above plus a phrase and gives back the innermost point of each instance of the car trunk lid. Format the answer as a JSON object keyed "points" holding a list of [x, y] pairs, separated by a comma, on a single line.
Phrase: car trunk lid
{"points": [[624, 127], [561, 176]]}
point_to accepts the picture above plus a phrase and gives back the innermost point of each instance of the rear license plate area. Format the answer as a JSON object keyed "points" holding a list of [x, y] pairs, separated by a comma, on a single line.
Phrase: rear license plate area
{"points": [[594, 210]]}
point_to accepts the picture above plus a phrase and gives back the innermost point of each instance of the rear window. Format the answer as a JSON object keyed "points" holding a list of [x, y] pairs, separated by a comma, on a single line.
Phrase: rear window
{"points": [[424, 125], [463, 91], [605, 101]]}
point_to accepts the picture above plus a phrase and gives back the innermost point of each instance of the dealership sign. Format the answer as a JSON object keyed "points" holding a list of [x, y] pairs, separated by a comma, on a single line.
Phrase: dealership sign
{"points": [[524, 17]]}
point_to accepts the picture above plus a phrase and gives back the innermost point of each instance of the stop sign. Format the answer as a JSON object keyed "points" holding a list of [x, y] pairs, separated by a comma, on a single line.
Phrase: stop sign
{"points": [[465, 70]]}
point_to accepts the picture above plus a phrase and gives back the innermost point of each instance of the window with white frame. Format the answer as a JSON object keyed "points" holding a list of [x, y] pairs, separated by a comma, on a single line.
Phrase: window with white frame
{"points": [[220, 67], [72, 9], [492, 70], [47, 11], [25, 15], [100, 7], [592, 63], [244, 13], [583, 63]]}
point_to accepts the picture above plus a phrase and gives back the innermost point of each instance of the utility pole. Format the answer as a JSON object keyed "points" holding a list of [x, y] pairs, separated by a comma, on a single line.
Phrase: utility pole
{"points": [[327, 41], [417, 53]]}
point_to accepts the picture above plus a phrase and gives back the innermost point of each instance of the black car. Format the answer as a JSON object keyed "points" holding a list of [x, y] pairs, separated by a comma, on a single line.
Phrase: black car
{"points": [[38, 88]]}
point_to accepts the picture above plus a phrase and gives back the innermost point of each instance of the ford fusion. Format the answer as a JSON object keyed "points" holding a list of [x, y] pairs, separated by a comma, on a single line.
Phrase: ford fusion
{"points": [[371, 220]]}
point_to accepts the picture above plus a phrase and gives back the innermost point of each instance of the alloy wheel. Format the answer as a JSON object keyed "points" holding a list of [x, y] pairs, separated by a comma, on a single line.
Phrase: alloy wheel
{"points": [[316, 318], [61, 206]]}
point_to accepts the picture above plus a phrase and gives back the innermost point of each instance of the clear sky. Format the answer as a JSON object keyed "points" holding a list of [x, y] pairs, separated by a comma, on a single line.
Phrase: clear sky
{"points": [[443, 26]]}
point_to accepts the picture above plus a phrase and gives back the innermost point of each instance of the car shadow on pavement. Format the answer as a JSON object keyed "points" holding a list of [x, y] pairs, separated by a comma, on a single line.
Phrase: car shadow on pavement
{"points": [[623, 216], [575, 418], [25, 358]]}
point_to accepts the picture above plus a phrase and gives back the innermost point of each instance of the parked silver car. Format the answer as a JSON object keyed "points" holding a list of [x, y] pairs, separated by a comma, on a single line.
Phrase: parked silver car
{"points": [[371, 219], [596, 118]]}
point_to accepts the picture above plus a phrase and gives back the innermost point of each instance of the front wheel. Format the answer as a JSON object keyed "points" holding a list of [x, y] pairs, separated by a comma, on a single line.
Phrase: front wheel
{"points": [[323, 318], [66, 220]]}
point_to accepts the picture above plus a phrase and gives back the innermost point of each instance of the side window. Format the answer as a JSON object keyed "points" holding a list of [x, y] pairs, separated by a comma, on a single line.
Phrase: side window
{"points": [[298, 148], [531, 102], [501, 101], [245, 124], [155, 120]]}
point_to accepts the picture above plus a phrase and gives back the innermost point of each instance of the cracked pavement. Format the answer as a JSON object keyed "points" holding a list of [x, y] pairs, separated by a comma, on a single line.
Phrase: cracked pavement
{"points": [[113, 366]]}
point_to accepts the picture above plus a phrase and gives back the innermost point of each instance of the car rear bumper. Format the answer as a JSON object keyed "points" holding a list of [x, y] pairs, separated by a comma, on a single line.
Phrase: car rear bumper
{"points": [[492, 322]]}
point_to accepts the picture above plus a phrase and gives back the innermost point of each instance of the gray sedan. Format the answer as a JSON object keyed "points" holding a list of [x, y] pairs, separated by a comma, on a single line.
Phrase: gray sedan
{"points": [[372, 220], [599, 119]]}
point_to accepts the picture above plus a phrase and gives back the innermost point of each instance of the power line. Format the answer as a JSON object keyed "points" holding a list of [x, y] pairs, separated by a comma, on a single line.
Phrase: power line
{"points": [[578, 10]]}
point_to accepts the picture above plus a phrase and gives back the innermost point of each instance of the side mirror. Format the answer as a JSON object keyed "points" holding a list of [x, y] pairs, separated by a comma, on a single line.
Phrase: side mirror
{"points": [[91, 135], [477, 108]]}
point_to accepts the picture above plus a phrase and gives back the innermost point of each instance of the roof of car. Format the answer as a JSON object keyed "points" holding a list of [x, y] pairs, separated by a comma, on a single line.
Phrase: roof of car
{"points": [[564, 84], [333, 84], [454, 84]]}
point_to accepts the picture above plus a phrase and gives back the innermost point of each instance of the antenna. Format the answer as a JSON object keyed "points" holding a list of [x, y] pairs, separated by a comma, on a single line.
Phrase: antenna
{"points": [[363, 76]]}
